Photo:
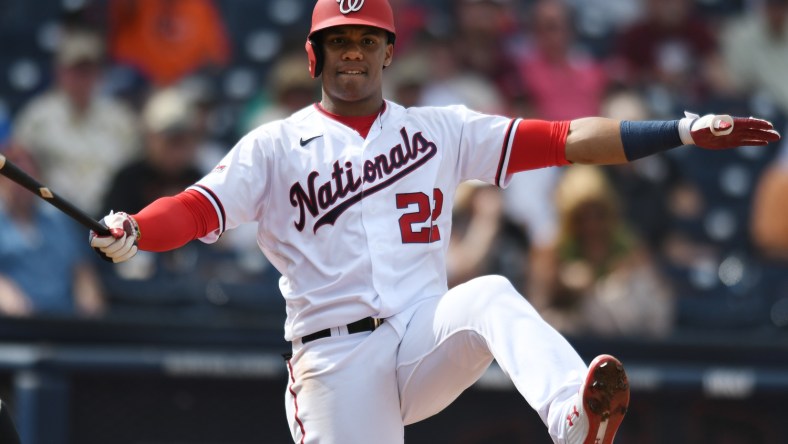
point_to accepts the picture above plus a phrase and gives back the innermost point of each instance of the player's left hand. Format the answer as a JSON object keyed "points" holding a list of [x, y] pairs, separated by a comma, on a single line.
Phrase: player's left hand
{"points": [[721, 131], [122, 244]]}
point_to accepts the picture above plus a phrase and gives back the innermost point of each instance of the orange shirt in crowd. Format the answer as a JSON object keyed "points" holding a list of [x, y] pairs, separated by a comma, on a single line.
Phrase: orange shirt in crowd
{"points": [[167, 40]]}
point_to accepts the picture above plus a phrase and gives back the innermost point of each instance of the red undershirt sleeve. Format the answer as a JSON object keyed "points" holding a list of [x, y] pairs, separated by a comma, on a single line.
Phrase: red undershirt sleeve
{"points": [[171, 222], [538, 144]]}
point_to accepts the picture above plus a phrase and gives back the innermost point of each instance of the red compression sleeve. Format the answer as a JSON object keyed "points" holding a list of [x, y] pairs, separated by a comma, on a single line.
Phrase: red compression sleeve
{"points": [[538, 144], [171, 222]]}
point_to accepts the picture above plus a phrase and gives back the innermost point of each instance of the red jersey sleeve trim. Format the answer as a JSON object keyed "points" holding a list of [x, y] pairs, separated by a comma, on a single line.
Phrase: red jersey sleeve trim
{"points": [[171, 222], [538, 144]]}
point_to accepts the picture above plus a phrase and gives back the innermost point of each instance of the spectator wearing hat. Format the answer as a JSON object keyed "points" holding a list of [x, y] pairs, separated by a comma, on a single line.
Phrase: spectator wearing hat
{"points": [[78, 136], [604, 280], [194, 278], [170, 131], [290, 88], [169, 121]]}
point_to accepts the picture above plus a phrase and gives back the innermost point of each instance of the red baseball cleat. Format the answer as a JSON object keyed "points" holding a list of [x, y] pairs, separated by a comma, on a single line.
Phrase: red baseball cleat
{"points": [[603, 402]]}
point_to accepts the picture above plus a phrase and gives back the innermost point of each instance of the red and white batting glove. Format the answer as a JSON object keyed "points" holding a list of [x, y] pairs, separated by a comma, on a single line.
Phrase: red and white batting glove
{"points": [[122, 245], [721, 131]]}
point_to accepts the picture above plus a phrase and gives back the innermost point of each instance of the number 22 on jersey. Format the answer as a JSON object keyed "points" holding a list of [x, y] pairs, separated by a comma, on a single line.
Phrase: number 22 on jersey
{"points": [[424, 212]]}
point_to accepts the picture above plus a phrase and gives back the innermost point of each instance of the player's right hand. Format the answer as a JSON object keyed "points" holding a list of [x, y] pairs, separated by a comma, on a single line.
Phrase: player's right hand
{"points": [[122, 244]]}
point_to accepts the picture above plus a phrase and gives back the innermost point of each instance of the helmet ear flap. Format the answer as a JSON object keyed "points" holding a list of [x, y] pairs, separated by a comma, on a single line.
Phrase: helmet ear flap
{"points": [[314, 53]]}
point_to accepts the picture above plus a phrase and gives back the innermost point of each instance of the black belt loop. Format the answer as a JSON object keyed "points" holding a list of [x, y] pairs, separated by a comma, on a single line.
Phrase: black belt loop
{"points": [[366, 324]]}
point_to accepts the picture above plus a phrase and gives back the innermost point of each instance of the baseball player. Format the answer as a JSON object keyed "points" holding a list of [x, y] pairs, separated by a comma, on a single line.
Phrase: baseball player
{"points": [[353, 199]]}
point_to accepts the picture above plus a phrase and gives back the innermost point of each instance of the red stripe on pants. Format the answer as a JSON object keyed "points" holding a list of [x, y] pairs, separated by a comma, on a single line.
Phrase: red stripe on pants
{"points": [[295, 401]]}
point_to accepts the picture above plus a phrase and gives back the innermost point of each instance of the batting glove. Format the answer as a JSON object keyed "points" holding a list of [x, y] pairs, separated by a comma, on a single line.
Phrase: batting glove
{"points": [[122, 245], [721, 131]]}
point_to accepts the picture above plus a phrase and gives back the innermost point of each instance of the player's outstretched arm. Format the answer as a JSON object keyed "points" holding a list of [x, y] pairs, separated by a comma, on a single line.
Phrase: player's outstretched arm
{"points": [[166, 224], [597, 140]]}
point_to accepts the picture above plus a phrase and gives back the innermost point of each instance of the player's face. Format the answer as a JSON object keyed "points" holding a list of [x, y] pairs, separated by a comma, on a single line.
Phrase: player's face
{"points": [[354, 57]]}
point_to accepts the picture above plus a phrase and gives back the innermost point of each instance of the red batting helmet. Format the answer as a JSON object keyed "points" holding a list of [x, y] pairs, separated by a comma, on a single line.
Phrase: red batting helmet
{"points": [[328, 13]]}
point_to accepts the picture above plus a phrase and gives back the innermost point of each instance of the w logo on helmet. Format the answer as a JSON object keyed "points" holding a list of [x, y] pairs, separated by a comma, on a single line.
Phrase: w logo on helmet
{"points": [[348, 6]]}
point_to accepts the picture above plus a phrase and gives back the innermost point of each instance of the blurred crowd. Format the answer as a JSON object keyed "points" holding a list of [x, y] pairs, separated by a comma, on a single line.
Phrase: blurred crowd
{"points": [[140, 99]]}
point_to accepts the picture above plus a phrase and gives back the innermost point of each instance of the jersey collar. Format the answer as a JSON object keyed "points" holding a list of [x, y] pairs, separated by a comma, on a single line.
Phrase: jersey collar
{"points": [[361, 124]]}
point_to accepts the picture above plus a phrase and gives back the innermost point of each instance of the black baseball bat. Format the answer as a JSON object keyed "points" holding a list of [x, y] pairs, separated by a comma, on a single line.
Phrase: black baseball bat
{"points": [[13, 172]]}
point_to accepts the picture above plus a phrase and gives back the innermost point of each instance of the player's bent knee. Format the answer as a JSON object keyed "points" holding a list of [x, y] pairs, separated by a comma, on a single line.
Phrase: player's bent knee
{"points": [[498, 291], [493, 285], [482, 292]]}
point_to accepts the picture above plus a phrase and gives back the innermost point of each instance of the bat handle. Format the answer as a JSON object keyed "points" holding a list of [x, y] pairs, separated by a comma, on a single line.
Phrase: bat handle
{"points": [[98, 228]]}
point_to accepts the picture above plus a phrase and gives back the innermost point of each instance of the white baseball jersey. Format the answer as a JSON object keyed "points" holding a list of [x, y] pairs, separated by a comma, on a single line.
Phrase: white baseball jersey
{"points": [[357, 227]]}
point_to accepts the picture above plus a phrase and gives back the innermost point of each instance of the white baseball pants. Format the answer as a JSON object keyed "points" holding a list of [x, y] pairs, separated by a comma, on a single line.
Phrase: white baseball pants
{"points": [[366, 387]]}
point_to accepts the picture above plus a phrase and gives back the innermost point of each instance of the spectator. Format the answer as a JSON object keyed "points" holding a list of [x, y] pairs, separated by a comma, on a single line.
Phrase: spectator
{"points": [[205, 100], [756, 51], [646, 185], [290, 88], [169, 166], [562, 81], [484, 240], [769, 235], [198, 275], [405, 80], [529, 203], [599, 19], [449, 84], [604, 281], [43, 268], [480, 43], [669, 53], [769, 219], [410, 18], [79, 137], [166, 40]]}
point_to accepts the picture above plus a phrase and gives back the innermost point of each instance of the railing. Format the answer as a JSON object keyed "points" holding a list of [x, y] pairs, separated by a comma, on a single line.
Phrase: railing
{"points": [[78, 382]]}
